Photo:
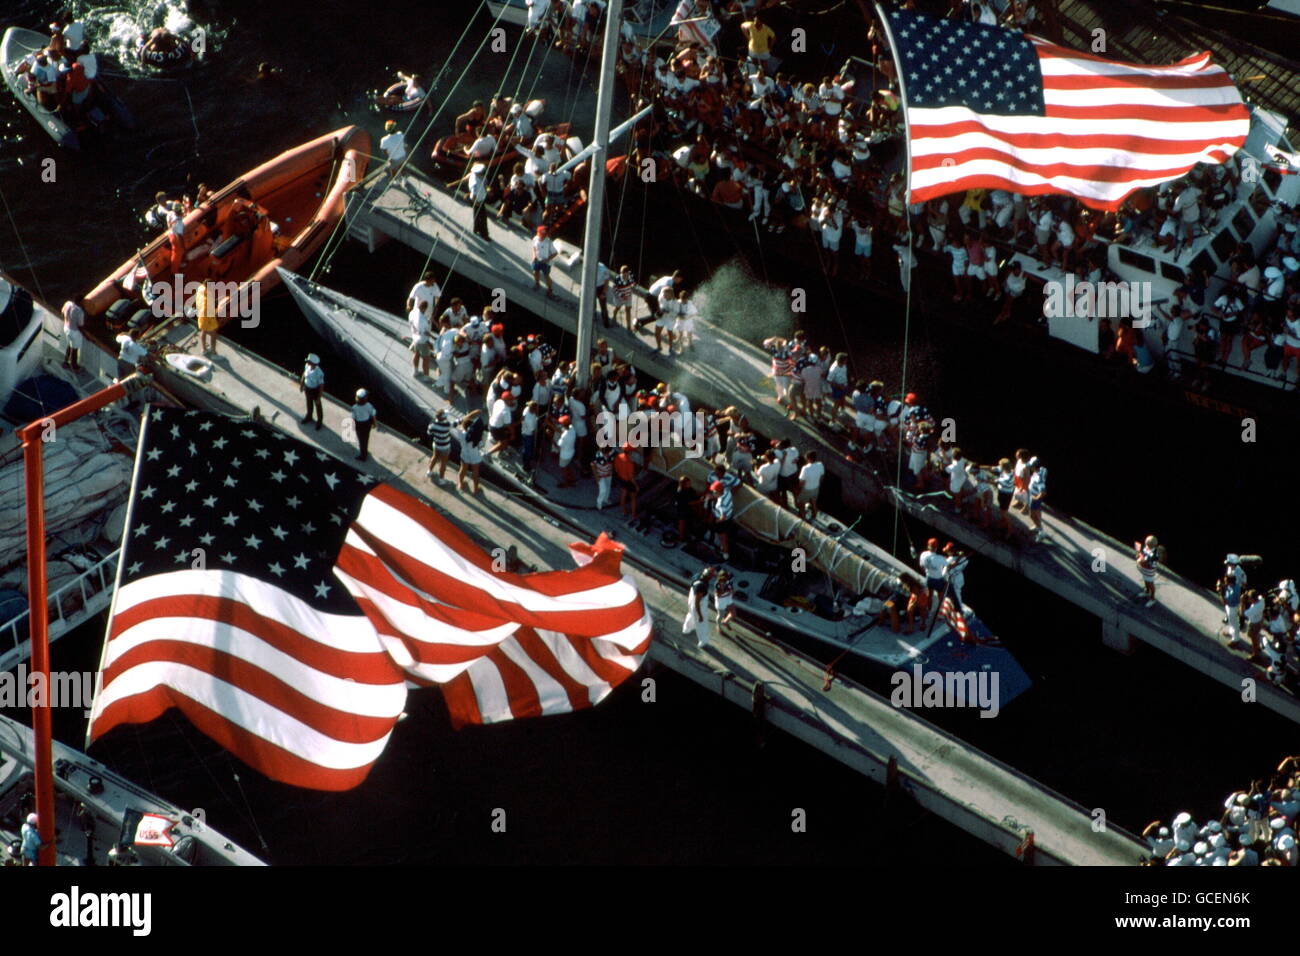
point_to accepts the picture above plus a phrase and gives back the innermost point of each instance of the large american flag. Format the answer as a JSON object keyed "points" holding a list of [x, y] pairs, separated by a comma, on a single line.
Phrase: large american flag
{"points": [[284, 602], [992, 108]]}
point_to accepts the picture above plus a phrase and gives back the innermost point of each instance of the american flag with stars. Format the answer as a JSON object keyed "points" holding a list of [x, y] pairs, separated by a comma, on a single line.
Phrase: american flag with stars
{"points": [[992, 108], [285, 602]]}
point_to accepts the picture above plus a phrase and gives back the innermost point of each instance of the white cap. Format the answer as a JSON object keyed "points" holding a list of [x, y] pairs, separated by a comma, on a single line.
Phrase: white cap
{"points": [[1277, 823], [1285, 842], [1218, 840], [313, 359], [1201, 848], [32, 819], [1290, 263], [1232, 559], [1163, 833], [516, 109], [1182, 819], [1272, 272], [478, 167], [361, 394]]}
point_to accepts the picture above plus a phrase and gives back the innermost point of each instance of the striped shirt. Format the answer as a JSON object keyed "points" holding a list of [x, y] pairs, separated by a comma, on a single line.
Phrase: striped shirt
{"points": [[440, 433], [722, 505]]}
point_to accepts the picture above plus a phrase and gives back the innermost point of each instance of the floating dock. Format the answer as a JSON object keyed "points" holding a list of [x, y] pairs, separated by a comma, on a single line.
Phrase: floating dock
{"points": [[1076, 562], [780, 686]]}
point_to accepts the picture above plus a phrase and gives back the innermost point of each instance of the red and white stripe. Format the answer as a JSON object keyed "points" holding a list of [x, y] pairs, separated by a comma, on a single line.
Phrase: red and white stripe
{"points": [[955, 618], [502, 645], [304, 697], [1110, 128]]}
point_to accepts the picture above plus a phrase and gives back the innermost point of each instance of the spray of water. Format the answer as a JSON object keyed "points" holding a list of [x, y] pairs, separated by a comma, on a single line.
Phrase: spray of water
{"points": [[114, 29], [735, 299]]}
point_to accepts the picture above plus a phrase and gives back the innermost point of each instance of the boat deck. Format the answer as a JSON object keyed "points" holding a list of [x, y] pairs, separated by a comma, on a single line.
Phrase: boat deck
{"points": [[728, 370], [860, 729]]}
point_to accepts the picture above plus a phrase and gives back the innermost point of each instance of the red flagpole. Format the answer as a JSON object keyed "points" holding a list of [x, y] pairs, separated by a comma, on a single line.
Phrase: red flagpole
{"points": [[33, 439]]}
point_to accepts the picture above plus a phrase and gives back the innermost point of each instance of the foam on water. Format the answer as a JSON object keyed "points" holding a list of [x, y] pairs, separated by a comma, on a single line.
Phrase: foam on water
{"points": [[115, 29]]}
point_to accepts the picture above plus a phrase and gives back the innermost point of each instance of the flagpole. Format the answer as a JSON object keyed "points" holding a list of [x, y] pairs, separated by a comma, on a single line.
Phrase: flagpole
{"points": [[33, 437], [596, 191], [902, 105], [117, 577]]}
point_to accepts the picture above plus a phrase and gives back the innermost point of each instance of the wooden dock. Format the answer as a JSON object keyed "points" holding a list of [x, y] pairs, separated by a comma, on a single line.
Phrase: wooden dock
{"points": [[780, 686], [728, 370]]}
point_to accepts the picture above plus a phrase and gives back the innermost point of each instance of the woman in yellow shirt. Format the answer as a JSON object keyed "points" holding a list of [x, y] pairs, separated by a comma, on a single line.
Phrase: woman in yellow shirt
{"points": [[207, 319], [760, 37]]}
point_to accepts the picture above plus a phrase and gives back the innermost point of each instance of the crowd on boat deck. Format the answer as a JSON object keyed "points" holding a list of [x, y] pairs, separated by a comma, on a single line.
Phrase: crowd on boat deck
{"points": [[806, 153], [57, 74], [1257, 828]]}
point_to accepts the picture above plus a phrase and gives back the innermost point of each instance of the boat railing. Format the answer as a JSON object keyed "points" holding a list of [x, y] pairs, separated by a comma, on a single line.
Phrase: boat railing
{"points": [[69, 606]]}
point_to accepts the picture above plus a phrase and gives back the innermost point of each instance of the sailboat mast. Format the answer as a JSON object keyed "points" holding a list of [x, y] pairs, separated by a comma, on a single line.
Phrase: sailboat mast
{"points": [[596, 189]]}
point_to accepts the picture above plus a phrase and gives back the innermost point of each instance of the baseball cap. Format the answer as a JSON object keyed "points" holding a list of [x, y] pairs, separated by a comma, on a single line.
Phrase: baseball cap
{"points": [[361, 394], [313, 359]]}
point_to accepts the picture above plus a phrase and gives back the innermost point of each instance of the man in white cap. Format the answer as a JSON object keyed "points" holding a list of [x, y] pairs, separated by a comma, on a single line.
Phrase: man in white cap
{"points": [[363, 416], [477, 185], [1230, 589], [1158, 839], [1184, 831], [311, 384]]}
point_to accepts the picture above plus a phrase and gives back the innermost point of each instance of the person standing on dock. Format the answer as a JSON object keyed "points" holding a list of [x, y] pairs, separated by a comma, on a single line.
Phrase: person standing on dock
{"points": [[131, 356], [625, 469], [444, 346], [1037, 491], [697, 608], [440, 437], [1229, 588], [311, 384], [602, 469], [470, 433], [810, 481], [393, 144], [421, 345], [1147, 553], [933, 564], [477, 186], [543, 252], [363, 417], [74, 317]]}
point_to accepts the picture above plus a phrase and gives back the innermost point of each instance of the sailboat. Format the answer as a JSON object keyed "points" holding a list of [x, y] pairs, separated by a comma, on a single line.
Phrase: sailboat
{"points": [[837, 604]]}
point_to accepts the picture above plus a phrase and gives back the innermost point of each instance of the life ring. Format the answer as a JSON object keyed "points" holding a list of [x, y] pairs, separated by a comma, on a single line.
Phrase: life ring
{"points": [[178, 55], [195, 366], [404, 106]]}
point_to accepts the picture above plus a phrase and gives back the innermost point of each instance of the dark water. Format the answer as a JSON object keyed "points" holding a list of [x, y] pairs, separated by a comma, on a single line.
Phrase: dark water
{"points": [[683, 779]]}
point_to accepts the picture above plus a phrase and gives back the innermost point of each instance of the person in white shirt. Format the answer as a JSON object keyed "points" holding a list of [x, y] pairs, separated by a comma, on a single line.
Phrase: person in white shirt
{"points": [[393, 144], [456, 313], [501, 422], [420, 326], [363, 418], [477, 184], [832, 223], [484, 145], [566, 446], [933, 564], [684, 325], [426, 289], [543, 252], [74, 317], [958, 485], [810, 482], [443, 347], [767, 474], [537, 11]]}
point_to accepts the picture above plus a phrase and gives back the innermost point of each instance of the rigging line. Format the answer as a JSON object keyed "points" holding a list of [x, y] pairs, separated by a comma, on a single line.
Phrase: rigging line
{"points": [[631, 138], [460, 251], [193, 119], [345, 221], [22, 245], [251, 818]]}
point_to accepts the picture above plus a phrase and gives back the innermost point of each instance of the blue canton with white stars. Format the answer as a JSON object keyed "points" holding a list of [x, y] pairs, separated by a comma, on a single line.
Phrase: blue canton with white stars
{"points": [[956, 63], [251, 499]]}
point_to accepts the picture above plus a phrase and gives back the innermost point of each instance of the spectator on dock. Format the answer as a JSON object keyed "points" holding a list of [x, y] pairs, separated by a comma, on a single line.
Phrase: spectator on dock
{"points": [[312, 383], [469, 432], [363, 418], [544, 252], [1037, 491], [426, 290], [933, 563], [74, 317], [440, 437], [625, 475], [1147, 554], [697, 608], [723, 597], [809, 485], [477, 184], [421, 340]]}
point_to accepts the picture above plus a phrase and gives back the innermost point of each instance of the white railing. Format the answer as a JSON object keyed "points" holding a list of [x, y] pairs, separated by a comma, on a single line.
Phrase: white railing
{"points": [[75, 602]]}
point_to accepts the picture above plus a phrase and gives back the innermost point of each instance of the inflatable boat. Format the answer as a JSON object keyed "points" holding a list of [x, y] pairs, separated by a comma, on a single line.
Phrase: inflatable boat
{"points": [[277, 214], [100, 110]]}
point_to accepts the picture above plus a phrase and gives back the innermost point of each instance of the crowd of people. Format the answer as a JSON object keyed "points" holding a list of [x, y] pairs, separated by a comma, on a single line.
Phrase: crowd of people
{"points": [[1256, 828], [813, 154], [60, 75]]}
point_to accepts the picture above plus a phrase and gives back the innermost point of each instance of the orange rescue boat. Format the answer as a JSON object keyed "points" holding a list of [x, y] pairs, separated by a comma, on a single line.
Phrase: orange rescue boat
{"points": [[278, 214]]}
